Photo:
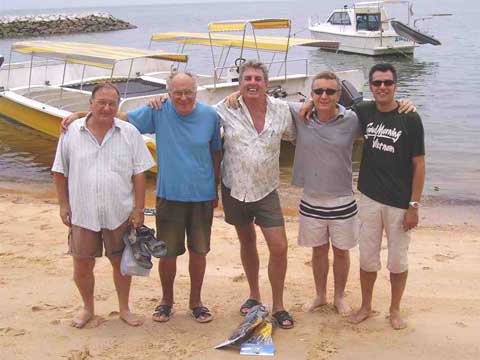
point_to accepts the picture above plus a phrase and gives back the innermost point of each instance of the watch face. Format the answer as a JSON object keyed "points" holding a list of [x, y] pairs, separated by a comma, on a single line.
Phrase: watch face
{"points": [[414, 204]]}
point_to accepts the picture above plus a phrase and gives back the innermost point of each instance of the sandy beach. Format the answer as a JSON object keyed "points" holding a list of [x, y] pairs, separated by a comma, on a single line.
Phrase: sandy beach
{"points": [[39, 298]]}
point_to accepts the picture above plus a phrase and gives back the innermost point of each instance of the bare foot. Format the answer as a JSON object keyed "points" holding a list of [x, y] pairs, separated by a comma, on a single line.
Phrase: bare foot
{"points": [[131, 318], [342, 307], [359, 316], [82, 318], [317, 303], [396, 320]]}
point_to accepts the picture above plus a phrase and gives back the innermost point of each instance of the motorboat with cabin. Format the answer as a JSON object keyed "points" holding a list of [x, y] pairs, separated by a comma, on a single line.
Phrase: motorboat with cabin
{"points": [[366, 28]]}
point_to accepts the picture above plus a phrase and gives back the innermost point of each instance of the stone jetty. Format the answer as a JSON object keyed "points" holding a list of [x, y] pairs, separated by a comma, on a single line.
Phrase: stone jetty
{"points": [[42, 25]]}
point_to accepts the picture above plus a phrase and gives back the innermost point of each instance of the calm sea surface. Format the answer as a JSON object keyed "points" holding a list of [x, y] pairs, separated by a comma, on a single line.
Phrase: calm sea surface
{"points": [[442, 81]]}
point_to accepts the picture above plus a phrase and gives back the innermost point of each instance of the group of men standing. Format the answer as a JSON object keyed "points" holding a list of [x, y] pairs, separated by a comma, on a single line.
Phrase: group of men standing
{"points": [[189, 155]]}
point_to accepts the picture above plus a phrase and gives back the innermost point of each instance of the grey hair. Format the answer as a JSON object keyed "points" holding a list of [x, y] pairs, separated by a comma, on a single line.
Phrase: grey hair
{"points": [[327, 75], [253, 64], [174, 74]]}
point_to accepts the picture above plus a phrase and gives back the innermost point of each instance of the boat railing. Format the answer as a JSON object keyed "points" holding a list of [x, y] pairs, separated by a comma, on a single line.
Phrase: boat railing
{"points": [[275, 68]]}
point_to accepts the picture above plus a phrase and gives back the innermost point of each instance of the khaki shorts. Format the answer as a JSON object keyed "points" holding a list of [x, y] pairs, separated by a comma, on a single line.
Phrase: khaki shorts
{"points": [[265, 212], [328, 219], [374, 218], [85, 243], [175, 218]]}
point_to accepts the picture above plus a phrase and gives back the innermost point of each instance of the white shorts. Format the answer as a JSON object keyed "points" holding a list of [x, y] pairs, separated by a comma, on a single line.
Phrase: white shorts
{"points": [[328, 218], [375, 217]]}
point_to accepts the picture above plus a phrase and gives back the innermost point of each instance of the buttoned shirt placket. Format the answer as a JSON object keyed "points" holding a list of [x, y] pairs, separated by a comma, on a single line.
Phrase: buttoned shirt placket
{"points": [[100, 155]]}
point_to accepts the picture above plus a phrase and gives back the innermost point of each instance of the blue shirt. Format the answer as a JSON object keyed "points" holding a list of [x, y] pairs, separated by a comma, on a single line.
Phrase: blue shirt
{"points": [[184, 145]]}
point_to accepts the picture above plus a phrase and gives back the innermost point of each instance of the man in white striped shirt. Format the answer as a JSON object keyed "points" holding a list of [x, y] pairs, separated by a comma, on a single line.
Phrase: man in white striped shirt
{"points": [[99, 175]]}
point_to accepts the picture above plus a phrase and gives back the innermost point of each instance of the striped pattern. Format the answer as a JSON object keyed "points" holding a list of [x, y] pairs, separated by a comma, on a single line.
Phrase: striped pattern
{"points": [[340, 212], [99, 176]]}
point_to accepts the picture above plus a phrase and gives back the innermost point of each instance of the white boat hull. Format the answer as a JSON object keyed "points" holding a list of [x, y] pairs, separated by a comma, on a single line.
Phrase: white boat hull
{"points": [[366, 44]]}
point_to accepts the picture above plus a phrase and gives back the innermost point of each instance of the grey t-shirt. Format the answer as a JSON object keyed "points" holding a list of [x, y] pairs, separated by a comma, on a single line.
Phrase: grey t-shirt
{"points": [[323, 155]]}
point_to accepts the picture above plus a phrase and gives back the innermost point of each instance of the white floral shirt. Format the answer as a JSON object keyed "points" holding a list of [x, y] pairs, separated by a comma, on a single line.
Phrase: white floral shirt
{"points": [[250, 166]]}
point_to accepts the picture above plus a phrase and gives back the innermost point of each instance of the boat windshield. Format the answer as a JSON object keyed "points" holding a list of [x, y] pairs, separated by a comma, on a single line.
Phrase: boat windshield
{"points": [[368, 22], [339, 18]]}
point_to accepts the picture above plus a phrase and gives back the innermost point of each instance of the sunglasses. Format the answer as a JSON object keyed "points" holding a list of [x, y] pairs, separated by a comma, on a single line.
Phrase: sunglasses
{"points": [[320, 91], [378, 83]]}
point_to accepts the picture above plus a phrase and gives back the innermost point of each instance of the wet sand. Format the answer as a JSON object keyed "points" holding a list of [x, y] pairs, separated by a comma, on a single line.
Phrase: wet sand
{"points": [[39, 298]]}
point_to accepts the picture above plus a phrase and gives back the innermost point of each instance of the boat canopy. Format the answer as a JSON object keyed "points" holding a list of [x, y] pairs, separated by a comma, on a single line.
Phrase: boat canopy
{"points": [[240, 25], [275, 43], [103, 56]]}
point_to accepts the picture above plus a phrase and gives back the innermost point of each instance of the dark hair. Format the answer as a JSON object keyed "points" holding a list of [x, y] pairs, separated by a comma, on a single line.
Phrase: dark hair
{"points": [[105, 85], [383, 67]]}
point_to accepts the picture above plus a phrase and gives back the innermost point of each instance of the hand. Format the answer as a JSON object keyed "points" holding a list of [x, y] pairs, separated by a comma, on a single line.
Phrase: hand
{"points": [[157, 101], [232, 100], [66, 215], [410, 219], [68, 120], [136, 218], [406, 106], [306, 111]]}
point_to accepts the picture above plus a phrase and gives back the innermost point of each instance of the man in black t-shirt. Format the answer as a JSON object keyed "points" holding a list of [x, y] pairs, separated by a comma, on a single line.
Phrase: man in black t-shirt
{"points": [[392, 174]]}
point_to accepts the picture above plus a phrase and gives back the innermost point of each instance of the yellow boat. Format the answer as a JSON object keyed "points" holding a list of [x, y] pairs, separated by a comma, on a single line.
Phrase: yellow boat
{"points": [[39, 94]]}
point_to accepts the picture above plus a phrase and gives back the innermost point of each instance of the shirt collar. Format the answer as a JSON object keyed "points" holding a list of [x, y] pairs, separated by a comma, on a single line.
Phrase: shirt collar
{"points": [[340, 114], [83, 122]]}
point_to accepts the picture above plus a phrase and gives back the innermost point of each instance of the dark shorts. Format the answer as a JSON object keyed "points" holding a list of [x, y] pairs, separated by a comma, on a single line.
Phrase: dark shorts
{"points": [[265, 212], [175, 218], [85, 243]]}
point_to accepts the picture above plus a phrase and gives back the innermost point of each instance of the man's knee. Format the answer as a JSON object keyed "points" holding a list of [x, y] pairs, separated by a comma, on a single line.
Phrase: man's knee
{"points": [[340, 254], [83, 266], [321, 251]]}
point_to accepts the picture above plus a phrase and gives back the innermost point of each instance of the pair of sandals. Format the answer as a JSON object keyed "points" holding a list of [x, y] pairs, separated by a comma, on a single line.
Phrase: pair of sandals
{"points": [[144, 245], [282, 318], [163, 313]]}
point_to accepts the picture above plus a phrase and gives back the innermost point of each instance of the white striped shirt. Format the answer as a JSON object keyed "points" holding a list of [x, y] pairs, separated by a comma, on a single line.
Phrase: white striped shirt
{"points": [[100, 186]]}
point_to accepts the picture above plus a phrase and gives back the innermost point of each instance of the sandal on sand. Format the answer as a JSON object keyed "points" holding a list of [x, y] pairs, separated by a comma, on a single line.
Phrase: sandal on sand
{"points": [[146, 236], [202, 314], [139, 251], [247, 305], [283, 319], [162, 313]]}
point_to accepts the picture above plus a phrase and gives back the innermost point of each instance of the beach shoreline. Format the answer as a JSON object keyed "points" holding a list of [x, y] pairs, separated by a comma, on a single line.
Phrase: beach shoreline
{"points": [[39, 298]]}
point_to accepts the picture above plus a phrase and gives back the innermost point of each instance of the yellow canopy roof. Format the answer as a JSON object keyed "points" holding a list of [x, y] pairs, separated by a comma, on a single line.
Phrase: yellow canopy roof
{"points": [[90, 54], [276, 43], [239, 25]]}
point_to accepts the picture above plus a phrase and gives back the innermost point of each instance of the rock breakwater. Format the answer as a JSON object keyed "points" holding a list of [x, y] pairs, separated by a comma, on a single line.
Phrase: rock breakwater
{"points": [[44, 25]]}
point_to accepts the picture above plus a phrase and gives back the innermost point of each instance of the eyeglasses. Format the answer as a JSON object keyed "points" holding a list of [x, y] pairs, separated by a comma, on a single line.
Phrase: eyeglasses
{"points": [[320, 91], [378, 83], [180, 93]]}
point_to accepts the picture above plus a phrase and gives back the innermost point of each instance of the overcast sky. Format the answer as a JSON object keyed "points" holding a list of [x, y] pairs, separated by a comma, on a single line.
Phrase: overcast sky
{"points": [[48, 4]]}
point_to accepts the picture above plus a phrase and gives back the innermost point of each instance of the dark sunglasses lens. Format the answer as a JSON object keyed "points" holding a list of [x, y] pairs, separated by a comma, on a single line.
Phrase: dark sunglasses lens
{"points": [[378, 83], [321, 91]]}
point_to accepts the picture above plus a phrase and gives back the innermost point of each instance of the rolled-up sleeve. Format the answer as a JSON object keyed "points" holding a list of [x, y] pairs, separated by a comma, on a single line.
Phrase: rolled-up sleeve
{"points": [[60, 164]]}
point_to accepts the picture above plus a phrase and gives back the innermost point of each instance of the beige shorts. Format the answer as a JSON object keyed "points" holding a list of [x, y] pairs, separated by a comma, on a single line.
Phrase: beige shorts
{"points": [[85, 243], [327, 218], [374, 218]]}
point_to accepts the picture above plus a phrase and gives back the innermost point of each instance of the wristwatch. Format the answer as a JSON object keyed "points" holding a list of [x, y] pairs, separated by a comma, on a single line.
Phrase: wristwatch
{"points": [[414, 204]]}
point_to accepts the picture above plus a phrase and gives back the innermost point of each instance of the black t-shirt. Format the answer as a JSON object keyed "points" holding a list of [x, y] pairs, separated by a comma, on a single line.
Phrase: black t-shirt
{"points": [[391, 140]]}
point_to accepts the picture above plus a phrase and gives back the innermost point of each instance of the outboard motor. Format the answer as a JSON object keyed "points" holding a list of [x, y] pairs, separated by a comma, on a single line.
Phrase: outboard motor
{"points": [[277, 92], [350, 95]]}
